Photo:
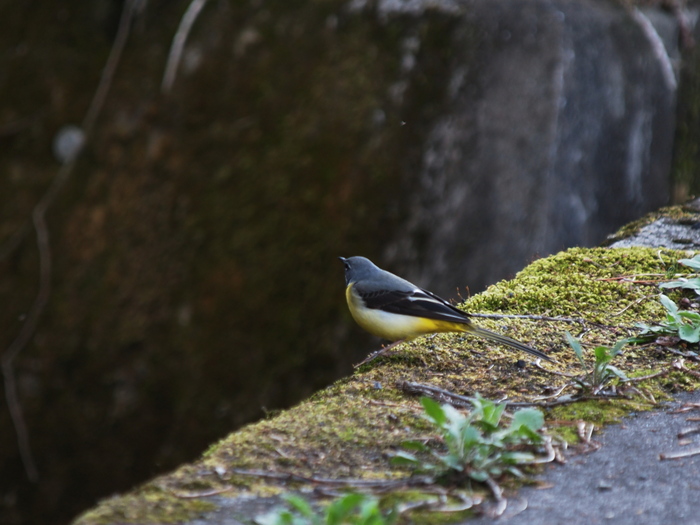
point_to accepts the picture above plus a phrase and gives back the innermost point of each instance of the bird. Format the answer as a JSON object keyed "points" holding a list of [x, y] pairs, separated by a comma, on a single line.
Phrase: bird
{"points": [[393, 308]]}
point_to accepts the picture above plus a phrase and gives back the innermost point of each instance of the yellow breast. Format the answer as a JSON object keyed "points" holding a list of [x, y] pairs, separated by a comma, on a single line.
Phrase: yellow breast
{"points": [[393, 326]]}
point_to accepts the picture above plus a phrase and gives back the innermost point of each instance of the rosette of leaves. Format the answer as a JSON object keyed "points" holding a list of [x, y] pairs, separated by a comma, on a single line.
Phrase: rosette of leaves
{"points": [[602, 371], [683, 324], [692, 283], [479, 446], [349, 509]]}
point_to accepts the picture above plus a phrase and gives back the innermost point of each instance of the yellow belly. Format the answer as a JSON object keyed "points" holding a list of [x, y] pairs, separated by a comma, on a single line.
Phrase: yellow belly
{"points": [[395, 326]]}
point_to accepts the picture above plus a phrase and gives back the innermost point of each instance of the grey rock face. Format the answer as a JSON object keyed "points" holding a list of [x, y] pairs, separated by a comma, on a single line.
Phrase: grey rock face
{"points": [[557, 128]]}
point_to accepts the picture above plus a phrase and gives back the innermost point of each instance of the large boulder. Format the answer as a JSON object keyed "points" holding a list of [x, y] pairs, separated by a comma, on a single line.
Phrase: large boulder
{"points": [[556, 126]]}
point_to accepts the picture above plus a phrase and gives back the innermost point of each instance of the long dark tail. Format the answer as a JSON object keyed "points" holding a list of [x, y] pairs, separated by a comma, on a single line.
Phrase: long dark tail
{"points": [[498, 338]]}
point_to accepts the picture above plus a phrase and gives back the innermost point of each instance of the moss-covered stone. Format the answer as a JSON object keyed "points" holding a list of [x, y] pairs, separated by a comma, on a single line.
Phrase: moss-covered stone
{"points": [[152, 505], [351, 429]]}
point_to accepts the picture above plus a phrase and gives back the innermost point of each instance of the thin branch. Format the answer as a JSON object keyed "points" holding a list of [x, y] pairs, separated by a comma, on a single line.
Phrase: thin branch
{"points": [[200, 494], [679, 365], [578, 320], [183, 30], [681, 454], [44, 248], [686, 407], [456, 400], [685, 432], [555, 394], [627, 279], [436, 393], [556, 373], [634, 303], [550, 404], [643, 378], [413, 481], [687, 355]]}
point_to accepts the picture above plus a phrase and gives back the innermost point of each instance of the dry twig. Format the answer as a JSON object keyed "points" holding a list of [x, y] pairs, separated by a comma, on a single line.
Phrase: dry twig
{"points": [[680, 454], [183, 30], [578, 320]]}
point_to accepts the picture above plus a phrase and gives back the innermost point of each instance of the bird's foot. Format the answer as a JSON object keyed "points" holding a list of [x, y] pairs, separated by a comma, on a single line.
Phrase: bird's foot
{"points": [[379, 353]]}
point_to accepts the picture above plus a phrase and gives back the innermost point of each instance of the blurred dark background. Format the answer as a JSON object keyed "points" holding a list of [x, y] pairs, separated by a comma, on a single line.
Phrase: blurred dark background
{"points": [[193, 244]]}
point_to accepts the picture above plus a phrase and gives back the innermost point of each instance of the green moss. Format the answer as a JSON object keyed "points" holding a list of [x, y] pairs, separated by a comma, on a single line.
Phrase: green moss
{"points": [[427, 517], [592, 411], [414, 496], [565, 432], [680, 382], [149, 506]]}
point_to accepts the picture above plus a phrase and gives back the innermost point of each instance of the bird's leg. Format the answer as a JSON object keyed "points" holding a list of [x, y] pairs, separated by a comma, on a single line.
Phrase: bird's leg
{"points": [[383, 351]]}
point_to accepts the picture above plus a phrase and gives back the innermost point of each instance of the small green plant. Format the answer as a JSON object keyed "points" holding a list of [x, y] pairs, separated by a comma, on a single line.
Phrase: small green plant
{"points": [[679, 323], [602, 371], [478, 446], [350, 509], [688, 284]]}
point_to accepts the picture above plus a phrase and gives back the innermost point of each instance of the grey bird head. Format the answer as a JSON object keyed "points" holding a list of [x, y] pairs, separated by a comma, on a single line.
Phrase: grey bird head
{"points": [[357, 268]]}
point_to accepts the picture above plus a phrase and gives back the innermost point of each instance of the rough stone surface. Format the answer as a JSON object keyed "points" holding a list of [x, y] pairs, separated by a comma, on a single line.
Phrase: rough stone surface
{"points": [[558, 128], [664, 233], [625, 482]]}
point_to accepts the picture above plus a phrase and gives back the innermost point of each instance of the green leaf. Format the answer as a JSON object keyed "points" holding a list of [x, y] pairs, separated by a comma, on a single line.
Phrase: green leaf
{"points": [[576, 345], [299, 504], [692, 317], [617, 348], [339, 510], [656, 329], [276, 517], [517, 458], [619, 373], [648, 329], [371, 514], [602, 356], [686, 284], [479, 475], [402, 458], [453, 461], [693, 263], [470, 436], [529, 434], [530, 418], [434, 411], [689, 333], [452, 431], [455, 419], [670, 306], [491, 413], [515, 471]]}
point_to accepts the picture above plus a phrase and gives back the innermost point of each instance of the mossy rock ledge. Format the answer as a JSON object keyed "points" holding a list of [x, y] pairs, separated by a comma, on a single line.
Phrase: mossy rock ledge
{"points": [[351, 429]]}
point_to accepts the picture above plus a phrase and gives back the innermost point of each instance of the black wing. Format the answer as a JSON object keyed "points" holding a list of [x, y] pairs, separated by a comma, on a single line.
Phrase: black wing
{"points": [[416, 302]]}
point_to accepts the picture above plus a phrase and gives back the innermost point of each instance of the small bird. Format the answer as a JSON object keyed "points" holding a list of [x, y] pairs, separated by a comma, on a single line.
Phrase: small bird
{"points": [[392, 308]]}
